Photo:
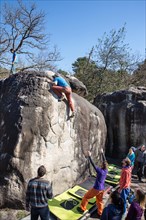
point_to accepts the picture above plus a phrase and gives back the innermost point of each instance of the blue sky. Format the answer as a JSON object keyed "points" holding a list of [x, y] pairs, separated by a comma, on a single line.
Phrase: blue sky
{"points": [[75, 25]]}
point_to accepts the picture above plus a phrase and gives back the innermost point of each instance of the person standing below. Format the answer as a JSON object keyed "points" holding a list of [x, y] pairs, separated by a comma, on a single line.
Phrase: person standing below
{"points": [[144, 165], [115, 209], [137, 207], [14, 58], [38, 192], [140, 161], [125, 181], [131, 156], [60, 86], [98, 188]]}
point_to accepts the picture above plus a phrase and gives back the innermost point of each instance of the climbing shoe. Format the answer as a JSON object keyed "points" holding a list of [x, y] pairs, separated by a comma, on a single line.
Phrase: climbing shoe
{"points": [[80, 210]]}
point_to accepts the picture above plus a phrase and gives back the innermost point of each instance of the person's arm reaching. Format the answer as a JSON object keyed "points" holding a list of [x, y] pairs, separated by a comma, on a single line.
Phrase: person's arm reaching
{"points": [[52, 82], [91, 161]]}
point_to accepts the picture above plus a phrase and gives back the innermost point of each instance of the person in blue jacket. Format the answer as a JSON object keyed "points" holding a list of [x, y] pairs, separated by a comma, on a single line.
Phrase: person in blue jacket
{"points": [[60, 86], [115, 210], [131, 156], [14, 58]]}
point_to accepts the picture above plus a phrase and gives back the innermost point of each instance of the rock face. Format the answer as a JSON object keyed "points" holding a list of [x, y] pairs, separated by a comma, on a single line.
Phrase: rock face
{"points": [[77, 86], [125, 116], [35, 129]]}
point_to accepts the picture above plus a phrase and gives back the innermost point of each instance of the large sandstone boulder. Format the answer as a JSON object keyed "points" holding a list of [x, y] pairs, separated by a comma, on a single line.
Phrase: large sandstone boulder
{"points": [[77, 86], [125, 116], [36, 129]]}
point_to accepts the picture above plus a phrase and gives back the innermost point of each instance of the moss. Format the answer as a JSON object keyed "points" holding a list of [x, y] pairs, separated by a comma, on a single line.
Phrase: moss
{"points": [[21, 214]]}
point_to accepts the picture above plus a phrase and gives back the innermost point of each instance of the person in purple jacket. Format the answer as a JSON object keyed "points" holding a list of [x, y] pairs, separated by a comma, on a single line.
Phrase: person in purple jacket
{"points": [[136, 209], [98, 188]]}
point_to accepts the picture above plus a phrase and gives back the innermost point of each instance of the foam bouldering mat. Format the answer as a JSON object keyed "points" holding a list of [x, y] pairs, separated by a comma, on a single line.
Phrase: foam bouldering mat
{"points": [[88, 183], [65, 207], [112, 179], [79, 192], [113, 169]]}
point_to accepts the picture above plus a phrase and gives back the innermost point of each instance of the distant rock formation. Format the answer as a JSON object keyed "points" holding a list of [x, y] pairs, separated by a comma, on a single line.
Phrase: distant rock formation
{"points": [[125, 116], [36, 129]]}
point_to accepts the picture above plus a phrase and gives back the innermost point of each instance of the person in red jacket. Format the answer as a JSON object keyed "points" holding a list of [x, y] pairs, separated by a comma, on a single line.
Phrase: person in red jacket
{"points": [[125, 181]]}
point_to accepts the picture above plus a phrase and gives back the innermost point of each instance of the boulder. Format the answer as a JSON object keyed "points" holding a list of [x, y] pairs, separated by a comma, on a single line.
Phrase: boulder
{"points": [[77, 86], [125, 116], [36, 129]]}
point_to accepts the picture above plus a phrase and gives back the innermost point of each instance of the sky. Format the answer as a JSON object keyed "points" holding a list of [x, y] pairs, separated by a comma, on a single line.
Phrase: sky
{"points": [[75, 25]]}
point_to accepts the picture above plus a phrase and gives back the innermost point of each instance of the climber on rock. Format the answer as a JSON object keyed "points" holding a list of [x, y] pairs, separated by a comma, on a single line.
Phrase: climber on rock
{"points": [[60, 86], [14, 61]]}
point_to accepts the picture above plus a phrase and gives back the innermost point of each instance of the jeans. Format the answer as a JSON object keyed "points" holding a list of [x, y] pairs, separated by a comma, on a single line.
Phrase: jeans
{"points": [[124, 196], [139, 170], [43, 212]]}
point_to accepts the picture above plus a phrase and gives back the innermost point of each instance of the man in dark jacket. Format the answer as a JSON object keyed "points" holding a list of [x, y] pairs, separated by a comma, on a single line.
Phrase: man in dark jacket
{"points": [[38, 192], [140, 160]]}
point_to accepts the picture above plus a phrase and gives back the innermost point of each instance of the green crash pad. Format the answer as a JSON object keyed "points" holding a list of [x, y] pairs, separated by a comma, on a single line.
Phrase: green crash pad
{"points": [[113, 169], [88, 183], [79, 192], [112, 179], [113, 175], [64, 206]]}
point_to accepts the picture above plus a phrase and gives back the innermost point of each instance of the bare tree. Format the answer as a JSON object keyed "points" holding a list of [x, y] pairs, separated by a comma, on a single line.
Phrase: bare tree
{"points": [[112, 53], [23, 31], [4, 40]]}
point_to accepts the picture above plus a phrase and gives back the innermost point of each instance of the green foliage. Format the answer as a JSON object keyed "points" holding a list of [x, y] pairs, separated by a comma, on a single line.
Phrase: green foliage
{"points": [[84, 70], [21, 214], [62, 72], [111, 52], [99, 80], [109, 65], [139, 76]]}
